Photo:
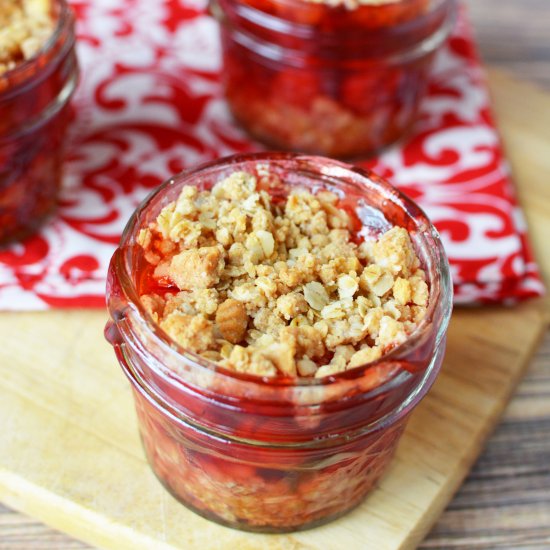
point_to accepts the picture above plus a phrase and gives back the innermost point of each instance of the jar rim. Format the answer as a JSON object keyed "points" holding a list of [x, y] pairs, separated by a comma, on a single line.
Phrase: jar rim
{"points": [[440, 298], [329, 7], [247, 25], [18, 74]]}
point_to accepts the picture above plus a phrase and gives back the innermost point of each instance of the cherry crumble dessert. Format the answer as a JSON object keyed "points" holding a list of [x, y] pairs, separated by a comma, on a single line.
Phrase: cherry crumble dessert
{"points": [[310, 301]]}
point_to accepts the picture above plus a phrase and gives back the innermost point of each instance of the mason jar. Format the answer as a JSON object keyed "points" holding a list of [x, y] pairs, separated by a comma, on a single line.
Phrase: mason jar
{"points": [[342, 79], [34, 112], [269, 454]]}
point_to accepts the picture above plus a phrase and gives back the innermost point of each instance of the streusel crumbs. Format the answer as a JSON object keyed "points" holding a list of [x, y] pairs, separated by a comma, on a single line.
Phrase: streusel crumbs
{"points": [[279, 288], [25, 26]]}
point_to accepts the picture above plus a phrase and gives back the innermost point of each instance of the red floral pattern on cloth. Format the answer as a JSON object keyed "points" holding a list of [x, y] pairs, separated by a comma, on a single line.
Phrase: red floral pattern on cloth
{"points": [[150, 104]]}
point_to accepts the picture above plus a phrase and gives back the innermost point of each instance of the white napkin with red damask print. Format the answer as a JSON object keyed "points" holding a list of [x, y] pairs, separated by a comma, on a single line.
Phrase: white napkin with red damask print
{"points": [[150, 104]]}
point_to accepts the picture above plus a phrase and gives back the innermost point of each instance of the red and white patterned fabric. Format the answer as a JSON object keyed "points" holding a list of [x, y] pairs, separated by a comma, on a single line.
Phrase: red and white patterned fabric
{"points": [[150, 104]]}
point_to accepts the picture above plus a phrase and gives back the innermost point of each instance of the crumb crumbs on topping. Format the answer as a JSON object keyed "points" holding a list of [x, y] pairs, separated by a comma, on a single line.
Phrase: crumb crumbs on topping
{"points": [[279, 288], [25, 26]]}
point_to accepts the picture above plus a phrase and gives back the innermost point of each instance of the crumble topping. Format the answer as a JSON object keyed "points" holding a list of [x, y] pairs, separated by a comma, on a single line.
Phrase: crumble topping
{"points": [[25, 26], [274, 288]]}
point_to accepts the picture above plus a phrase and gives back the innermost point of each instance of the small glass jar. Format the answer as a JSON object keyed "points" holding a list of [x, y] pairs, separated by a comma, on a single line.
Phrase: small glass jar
{"points": [[268, 454], [34, 112], [329, 79]]}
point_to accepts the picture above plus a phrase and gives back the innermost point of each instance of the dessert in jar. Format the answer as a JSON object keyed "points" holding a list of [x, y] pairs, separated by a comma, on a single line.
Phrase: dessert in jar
{"points": [[341, 78], [278, 316], [38, 74]]}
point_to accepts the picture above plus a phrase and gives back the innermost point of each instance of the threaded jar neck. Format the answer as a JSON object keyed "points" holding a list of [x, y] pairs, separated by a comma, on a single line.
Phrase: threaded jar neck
{"points": [[336, 36]]}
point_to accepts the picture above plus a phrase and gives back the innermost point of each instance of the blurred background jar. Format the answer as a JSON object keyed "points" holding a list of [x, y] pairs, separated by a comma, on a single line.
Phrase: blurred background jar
{"points": [[38, 75], [342, 78]]}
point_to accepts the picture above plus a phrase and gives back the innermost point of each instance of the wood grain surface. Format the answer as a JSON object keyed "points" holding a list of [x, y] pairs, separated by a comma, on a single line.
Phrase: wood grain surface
{"points": [[505, 502], [514, 35]]}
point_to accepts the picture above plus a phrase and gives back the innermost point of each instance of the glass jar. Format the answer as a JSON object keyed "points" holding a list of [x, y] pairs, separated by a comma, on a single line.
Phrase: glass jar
{"points": [[268, 454], [34, 111], [328, 79]]}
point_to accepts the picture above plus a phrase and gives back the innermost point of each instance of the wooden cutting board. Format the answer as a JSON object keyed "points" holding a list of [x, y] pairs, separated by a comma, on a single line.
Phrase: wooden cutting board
{"points": [[69, 447]]}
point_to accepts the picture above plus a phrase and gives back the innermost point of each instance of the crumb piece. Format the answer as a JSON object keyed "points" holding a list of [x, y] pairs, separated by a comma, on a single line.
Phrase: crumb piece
{"points": [[402, 291], [268, 321], [291, 276], [394, 251], [237, 186], [153, 304], [327, 370], [391, 332], [349, 330], [267, 285], [338, 363], [248, 361], [365, 355], [376, 279], [174, 226], [420, 291], [282, 356], [205, 300], [145, 238], [192, 332], [232, 320], [347, 286], [292, 304], [250, 295], [212, 355], [196, 268], [306, 367], [304, 340]]}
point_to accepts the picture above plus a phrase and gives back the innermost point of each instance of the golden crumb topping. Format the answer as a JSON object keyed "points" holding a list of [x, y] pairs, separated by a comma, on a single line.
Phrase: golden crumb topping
{"points": [[25, 26], [279, 288]]}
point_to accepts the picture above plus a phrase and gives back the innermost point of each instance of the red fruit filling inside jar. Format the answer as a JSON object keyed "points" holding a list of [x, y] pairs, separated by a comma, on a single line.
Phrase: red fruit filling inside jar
{"points": [[340, 79]]}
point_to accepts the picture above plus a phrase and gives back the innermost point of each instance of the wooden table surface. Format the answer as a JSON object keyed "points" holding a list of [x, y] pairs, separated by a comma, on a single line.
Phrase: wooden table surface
{"points": [[505, 501]]}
